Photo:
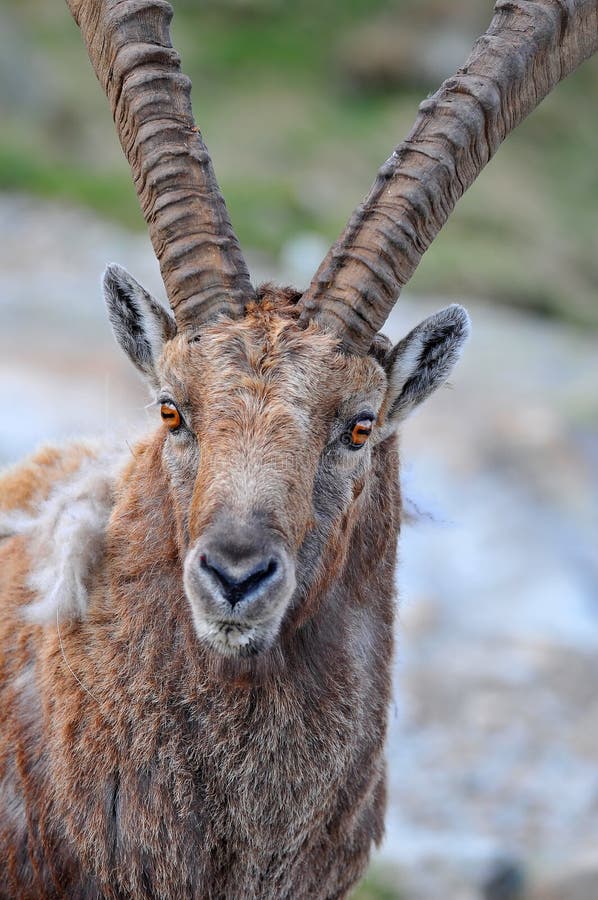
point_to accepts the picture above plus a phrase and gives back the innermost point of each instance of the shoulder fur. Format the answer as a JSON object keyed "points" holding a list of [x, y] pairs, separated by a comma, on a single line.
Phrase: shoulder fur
{"points": [[65, 526]]}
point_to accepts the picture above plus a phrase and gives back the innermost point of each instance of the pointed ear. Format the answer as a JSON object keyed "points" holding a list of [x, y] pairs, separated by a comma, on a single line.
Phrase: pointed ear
{"points": [[423, 360], [140, 324]]}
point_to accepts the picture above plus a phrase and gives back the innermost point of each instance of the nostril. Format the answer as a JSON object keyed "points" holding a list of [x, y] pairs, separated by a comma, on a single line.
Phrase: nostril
{"points": [[260, 574], [240, 585], [218, 571]]}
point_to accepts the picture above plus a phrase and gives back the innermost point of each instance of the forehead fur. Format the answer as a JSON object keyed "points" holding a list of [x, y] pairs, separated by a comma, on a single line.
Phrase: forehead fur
{"points": [[267, 350]]}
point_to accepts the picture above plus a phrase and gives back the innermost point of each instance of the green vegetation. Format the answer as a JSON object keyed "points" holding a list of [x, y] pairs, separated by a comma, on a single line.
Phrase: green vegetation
{"points": [[111, 195], [379, 884], [300, 103]]}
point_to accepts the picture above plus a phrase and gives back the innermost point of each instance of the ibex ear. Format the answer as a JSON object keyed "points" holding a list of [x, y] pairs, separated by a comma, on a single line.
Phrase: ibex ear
{"points": [[423, 360], [140, 324]]}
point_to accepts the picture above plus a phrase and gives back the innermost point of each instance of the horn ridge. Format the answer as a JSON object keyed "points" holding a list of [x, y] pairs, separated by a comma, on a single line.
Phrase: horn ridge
{"points": [[528, 48], [200, 258]]}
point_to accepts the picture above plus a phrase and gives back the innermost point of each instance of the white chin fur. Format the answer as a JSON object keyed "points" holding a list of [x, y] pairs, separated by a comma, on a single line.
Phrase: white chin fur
{"points": [[230, 639]]}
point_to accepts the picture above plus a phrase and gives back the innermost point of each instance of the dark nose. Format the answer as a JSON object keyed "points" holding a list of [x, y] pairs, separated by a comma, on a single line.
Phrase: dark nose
{"points": [[237, 582]]}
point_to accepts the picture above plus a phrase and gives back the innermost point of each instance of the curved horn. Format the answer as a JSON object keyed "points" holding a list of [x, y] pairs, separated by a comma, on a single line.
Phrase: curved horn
{"points": [[202, 266], [528, 48]]}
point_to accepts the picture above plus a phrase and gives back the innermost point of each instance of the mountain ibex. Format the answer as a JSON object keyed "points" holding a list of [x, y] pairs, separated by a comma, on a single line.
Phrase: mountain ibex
{"points": [[196, 641]]}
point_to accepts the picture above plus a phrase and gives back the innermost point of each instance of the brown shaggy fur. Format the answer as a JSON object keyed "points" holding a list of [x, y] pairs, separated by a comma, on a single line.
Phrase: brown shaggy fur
{"points": [[134, 761]]}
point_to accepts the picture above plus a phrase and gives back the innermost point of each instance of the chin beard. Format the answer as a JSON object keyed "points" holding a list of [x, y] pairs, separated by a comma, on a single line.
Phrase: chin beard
{"points": [[236, 640]]}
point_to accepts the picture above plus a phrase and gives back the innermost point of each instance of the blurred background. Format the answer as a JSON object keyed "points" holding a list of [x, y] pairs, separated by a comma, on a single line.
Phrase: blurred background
{"points": [[493, 743]]}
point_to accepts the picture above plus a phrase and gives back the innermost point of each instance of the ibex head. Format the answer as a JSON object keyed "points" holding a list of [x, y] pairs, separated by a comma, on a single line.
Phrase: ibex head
{"points": [[268, 438], [278, 407]]}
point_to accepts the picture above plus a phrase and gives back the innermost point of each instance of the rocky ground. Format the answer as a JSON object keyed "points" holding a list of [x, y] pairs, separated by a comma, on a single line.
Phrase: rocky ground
{"points": [[494, 733]]}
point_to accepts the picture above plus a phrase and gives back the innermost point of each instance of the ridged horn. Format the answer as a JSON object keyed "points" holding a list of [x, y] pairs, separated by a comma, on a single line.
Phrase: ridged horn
{"points": [[528, 48], [202, 266]]}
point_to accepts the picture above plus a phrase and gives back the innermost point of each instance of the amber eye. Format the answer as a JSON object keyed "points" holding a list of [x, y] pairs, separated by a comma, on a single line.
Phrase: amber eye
{"points": [[170, 415], [360, 432]]}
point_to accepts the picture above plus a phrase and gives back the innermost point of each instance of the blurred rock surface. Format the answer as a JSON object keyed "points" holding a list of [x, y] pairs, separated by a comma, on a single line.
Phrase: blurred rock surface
{"points": [[387, 53]]}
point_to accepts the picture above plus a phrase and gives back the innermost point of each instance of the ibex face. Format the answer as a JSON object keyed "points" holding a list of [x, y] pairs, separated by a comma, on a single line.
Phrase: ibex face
{"points": [[268, 435]]}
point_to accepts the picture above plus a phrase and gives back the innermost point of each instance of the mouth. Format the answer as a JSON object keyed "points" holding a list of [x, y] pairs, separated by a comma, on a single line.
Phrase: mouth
{"points": [[233, 638]]}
